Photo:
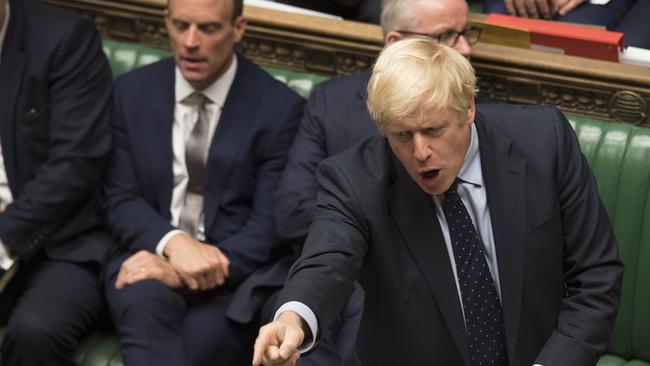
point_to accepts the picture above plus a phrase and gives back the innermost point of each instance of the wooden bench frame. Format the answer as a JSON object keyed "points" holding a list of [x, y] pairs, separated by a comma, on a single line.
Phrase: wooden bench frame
{"points": [[597, 89]]}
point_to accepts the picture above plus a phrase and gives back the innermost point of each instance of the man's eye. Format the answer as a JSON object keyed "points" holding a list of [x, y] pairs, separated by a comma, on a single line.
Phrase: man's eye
{"points": [[403, 133], [209, 28], [180, 25]]}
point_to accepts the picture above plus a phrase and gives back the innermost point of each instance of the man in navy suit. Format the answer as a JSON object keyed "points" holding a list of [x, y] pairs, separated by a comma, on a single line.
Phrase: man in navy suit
{"points": [[55, 88], [200, 142], [336, 118], [476, 231]]}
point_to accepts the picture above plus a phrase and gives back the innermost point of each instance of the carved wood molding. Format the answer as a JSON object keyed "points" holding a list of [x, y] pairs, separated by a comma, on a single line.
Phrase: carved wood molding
{"points": [[603, 90]]}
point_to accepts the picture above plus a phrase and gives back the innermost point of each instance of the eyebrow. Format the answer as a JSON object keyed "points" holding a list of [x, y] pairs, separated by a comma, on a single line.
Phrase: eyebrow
{"points": [[215, 22]]}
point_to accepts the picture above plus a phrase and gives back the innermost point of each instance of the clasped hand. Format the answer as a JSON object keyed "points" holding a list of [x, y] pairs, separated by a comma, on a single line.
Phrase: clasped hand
{"points": [[190, 263]]}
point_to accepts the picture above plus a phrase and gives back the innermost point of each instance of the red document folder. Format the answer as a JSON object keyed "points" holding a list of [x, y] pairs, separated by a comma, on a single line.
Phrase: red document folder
{"points": [[574, 40]]}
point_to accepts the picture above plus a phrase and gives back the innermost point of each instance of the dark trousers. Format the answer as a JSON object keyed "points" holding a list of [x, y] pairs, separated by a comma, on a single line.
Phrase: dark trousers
{"points": [[48, 307], [626, 16], [161, 326]]}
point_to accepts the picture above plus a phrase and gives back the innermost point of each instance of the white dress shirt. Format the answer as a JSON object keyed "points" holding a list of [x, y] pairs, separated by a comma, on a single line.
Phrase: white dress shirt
{"points": [[5, 193], [472, 192], [185, 117]]}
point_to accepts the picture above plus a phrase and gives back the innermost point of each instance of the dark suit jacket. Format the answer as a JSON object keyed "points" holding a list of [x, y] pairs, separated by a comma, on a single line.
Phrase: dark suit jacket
{"points": [[55, 87], [335, 118], [246, 158], [557, 256]]}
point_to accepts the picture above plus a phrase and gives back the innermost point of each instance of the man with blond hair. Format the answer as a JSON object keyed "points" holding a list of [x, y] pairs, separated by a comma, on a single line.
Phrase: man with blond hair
{"points": [[336, 118], [477, 233]]}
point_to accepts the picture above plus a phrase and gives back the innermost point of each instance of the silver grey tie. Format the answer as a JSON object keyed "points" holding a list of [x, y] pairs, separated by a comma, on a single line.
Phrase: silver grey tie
{"points": [[195, 152]]}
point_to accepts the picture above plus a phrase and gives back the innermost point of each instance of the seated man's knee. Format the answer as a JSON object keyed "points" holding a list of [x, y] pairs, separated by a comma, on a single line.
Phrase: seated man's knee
{"points": [[30, 331]]}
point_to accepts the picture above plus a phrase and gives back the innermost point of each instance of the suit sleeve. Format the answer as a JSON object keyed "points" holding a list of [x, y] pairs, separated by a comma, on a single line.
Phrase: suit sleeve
{"points": [[592, 269], [130, 217], [334, 250], [79, 141], [253, 244], [296, 194]]}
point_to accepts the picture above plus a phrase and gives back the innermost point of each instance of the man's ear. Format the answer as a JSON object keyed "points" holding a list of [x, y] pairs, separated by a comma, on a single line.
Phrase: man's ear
{"points": [[391, 37], [240, 28], [471, 110]]}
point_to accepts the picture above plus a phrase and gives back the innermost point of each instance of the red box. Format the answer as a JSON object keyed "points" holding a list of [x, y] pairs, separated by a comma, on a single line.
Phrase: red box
{"points": [[575, 40]]}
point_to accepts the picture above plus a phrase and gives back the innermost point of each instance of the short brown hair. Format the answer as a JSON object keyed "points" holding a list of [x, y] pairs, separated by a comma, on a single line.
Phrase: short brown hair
{"points": [[237, 8]]}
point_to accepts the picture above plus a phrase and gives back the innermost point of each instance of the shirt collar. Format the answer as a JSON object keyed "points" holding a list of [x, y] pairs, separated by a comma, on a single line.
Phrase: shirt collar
{"points": [[471, 171], [216, 91], [3, 30]]}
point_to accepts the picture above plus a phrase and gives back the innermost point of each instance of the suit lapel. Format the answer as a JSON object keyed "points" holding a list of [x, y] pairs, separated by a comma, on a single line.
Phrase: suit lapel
{"points": [[414, 214], [11, 78], [505, 184], [238, 114], [157, 135]]}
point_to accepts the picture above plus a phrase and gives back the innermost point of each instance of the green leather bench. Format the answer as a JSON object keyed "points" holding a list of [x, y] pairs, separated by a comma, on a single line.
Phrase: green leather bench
{"points": [[619, 155], [126, 56]]}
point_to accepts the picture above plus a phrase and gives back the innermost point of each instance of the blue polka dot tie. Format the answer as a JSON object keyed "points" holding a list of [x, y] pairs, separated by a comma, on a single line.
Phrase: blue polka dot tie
{"points": [[481, 305]]}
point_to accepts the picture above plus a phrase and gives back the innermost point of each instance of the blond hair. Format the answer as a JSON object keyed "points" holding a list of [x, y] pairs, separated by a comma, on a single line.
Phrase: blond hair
{"points": [[415, 75]]}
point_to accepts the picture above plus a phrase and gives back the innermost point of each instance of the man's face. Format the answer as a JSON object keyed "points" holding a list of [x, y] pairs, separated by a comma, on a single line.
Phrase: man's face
{"points": [[432, 148], [437, 17], [203, 35]]}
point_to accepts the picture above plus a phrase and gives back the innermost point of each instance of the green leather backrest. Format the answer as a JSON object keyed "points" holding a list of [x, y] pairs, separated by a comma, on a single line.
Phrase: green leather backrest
{"points": [[619, 155], [124, 56]]}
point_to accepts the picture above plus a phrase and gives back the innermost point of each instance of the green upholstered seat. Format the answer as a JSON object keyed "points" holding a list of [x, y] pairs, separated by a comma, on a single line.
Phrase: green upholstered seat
{"points": [[619, 155], [125, 56]]}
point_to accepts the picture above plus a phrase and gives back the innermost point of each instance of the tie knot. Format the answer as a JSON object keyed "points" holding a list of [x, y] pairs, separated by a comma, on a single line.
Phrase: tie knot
{"points": [[451, 195], [198, 99]]}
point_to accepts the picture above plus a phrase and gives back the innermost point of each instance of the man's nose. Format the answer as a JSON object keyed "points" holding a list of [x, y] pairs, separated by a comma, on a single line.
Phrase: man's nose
{"points": [[421, 151], [191, 37], [463, 47]]}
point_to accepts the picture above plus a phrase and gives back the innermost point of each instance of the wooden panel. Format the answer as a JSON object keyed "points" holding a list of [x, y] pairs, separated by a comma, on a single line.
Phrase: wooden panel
{"points": [[592, 88]]}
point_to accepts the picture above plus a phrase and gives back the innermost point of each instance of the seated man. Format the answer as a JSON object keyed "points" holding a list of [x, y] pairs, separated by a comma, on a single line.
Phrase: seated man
{"points": [[361, 10], [477, 233], [200, 142], [626, 16], [336, 118], [55, 89]]}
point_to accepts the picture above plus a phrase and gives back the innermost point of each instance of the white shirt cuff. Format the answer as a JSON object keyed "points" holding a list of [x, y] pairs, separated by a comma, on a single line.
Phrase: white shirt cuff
{"points": [[160, 248], [5, 261], [307, 315]]}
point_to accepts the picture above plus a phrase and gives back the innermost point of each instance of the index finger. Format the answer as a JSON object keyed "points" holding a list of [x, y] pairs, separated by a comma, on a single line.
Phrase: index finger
{"points": [[531, 7], [544, 9], [521, 8], [262, 342]]}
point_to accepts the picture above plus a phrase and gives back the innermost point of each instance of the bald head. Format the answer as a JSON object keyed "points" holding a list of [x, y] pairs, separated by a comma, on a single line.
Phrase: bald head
{"points": [[425, 16]]}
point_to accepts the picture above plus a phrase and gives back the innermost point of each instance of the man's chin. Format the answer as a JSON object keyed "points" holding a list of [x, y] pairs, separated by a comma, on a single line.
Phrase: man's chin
{"points": [[196, 78]]}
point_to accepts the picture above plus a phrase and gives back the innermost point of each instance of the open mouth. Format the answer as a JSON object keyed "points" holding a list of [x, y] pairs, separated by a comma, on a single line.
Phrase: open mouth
{"points": [[430, 174]]}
